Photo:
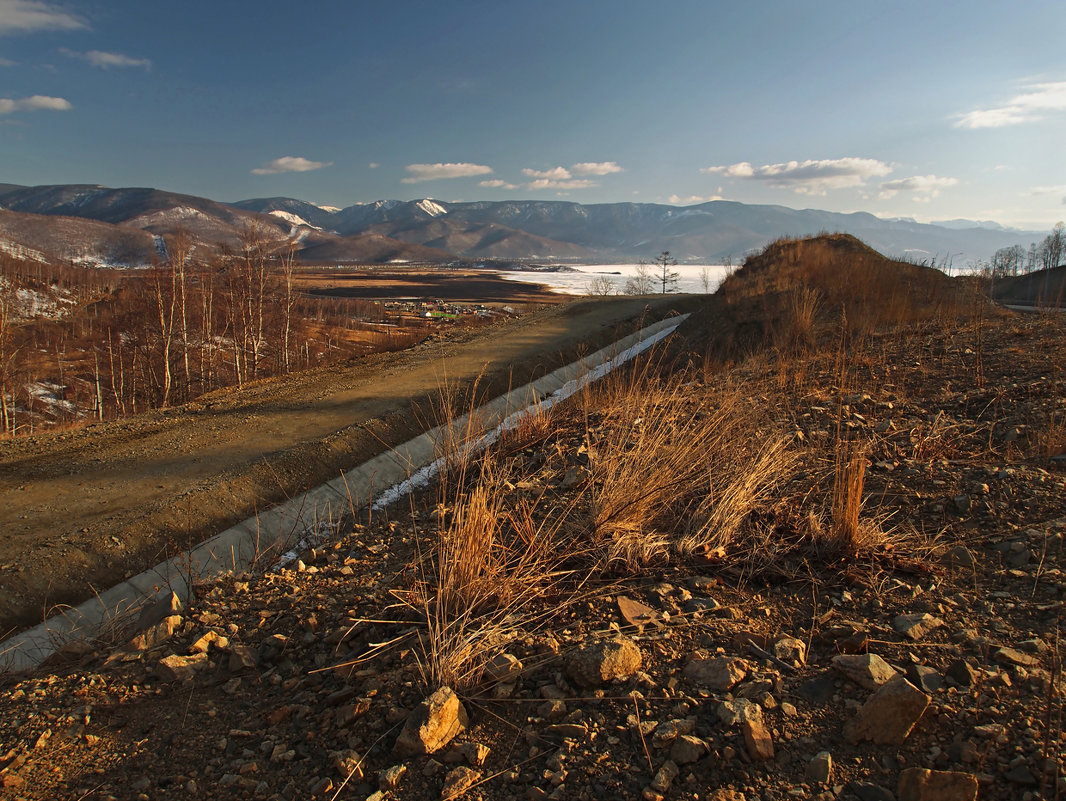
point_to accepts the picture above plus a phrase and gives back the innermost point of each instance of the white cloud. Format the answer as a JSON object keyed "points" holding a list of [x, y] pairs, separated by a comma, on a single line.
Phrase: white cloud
{"points": [[34, 103], [27, 16], [105, 61], [595, 168], [290, 164], [433, 172], [1028, 106], [496, 183], [553, 174], [1047, 190], [373, 165], [691, 200], [551, 183], [6, 62], [563, 178], [810, 177], [740, 170], [925, 187]]}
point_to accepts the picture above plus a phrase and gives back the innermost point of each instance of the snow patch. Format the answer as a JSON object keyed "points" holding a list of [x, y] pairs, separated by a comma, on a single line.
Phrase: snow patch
{"points": [[293, 219], [431, 207], [31, 304], [22, 252]]}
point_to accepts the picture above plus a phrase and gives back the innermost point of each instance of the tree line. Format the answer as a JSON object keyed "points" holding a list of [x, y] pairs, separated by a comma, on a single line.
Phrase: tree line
{"points": [[1043, 255]]}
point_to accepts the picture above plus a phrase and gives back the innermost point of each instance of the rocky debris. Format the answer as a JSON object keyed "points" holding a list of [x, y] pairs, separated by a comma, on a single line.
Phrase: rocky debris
{"points": [[301, 694], [1012, 656], [925, 678], [597, 663], [390, 778], [962, 673], [790, 650], [866, 670], [916, 626], [716, 673], [664, 777], [349, 764], [432, 725], [458, 781], [820, 768], [156, 634], [241, 657], [209, 639], [757, 740], [503, 667], [888, 715], [688, 749], [919, 784], [181, 668]]}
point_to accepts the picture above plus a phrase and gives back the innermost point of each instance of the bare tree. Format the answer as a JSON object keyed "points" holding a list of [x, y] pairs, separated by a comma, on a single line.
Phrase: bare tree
{"points": [[665, 275], [600, 285], [1008, 261], [288, 299], [179, 249], [705, 280], [164, 286], [7, 355], [642, 283], [1052, 248]]}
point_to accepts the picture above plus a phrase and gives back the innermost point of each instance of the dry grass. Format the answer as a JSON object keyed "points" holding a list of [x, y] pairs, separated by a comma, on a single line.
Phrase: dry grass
{"points": [[1050, 438], [804, 303], [848, 533], [741, 480], [685, 466]]}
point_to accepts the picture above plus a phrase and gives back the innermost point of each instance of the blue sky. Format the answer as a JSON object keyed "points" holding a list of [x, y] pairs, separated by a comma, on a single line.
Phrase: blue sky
{"points": [[930, 109]]}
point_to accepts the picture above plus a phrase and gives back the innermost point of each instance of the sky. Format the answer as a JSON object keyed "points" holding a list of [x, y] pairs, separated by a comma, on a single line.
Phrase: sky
{"points": [[933, 110]]}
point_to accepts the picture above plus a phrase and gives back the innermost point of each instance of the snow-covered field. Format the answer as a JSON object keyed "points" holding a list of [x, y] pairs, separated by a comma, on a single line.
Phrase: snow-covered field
{"points": [[691, 277]]}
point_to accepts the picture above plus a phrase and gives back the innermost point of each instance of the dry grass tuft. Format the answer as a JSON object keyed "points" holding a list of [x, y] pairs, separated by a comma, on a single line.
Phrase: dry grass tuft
{"points": [[676, 471], [1050, 438], [741, 479], [848, 533]]}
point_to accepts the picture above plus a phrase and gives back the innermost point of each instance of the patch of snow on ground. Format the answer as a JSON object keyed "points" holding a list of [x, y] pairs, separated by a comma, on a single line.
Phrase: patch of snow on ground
{"points": [[21, 251], [45, 393], [32, 304]]}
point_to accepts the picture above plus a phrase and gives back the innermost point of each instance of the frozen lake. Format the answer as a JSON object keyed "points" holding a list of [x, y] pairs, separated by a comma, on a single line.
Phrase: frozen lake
{"points": [[691, 277]]}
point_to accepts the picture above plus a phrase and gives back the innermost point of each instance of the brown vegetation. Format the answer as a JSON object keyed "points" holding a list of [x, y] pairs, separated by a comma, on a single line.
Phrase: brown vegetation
{"points": [[121, 342]]}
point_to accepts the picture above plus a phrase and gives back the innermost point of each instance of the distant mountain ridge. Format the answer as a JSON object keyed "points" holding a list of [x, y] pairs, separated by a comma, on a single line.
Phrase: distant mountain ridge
{"points": [[433, 230]]}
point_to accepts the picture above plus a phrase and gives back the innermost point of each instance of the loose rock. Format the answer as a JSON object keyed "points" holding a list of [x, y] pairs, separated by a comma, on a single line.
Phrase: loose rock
{"points": [[432, 725], [717, 673], [866, 670], [889, 715], [918, 784], [600, 662]]}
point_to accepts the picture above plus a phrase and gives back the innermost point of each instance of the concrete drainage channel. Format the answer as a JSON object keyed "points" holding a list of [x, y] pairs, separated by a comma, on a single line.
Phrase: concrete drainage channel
{"points": [[269, 537]]}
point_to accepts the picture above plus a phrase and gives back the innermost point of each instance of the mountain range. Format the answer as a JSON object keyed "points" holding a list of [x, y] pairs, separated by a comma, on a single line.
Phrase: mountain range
{"points": [[99, 225]]}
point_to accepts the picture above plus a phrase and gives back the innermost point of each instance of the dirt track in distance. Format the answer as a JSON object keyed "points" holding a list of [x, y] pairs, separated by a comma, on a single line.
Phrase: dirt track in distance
{"points": [[81, 510]]}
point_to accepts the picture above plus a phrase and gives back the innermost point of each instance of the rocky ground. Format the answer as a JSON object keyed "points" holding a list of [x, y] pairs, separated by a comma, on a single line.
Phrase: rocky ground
{"points": [[925, 666]]}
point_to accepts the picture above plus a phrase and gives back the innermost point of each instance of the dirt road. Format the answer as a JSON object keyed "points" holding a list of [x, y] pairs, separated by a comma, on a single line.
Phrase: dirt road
{"points": [[82, 510]]}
